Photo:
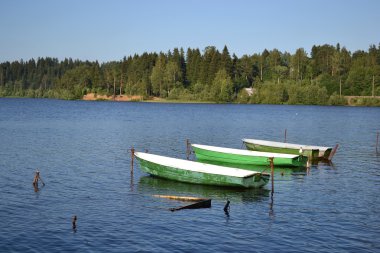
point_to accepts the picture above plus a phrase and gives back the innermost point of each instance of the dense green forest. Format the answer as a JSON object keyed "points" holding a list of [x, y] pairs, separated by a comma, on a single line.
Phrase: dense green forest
{"points": [[324, 77]]}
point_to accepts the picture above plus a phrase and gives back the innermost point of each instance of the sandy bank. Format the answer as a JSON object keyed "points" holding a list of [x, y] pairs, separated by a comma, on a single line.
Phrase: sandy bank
{"points": [[93, 96]]}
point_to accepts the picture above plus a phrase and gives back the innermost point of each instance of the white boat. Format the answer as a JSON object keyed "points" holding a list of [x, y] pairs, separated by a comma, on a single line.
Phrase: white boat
{"points": [[315, 152]]}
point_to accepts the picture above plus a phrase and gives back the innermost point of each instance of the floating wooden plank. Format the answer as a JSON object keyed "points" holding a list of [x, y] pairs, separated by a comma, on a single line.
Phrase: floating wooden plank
{"points": [[182, 198], [205, 203]]}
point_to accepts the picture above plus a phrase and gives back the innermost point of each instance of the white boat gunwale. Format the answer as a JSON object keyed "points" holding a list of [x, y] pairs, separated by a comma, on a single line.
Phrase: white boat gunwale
{"points": [[196, 166], [244, 152], [284, 144]]}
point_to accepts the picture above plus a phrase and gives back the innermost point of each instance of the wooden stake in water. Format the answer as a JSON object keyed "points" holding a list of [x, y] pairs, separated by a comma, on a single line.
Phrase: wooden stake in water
{"points": [[227, 207], [187, 149], [132, 157], [37, 178], [333, 152], [74, 222]]}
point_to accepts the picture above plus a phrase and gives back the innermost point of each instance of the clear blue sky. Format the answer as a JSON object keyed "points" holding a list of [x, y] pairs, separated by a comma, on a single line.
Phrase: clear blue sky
{"points": [[108, 30]]}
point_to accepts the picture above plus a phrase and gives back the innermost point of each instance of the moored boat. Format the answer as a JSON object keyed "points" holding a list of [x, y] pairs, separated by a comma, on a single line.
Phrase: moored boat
{"points": [[240, 156], [199, 173], [313, 152]]}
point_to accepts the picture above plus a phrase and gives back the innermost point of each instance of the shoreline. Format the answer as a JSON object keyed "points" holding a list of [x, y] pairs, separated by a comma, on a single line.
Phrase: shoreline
{"points": [[137, 98]]}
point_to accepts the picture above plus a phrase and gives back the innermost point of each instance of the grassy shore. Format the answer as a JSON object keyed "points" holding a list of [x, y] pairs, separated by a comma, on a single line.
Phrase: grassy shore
{"points": [[365, 101]]}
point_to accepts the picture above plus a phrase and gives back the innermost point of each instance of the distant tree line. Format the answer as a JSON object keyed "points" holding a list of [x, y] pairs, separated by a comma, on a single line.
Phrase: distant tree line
{"points": [[324, 77]]}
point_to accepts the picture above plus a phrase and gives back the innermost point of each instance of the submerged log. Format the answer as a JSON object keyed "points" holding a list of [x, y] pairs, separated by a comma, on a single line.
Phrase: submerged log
{"points": [[198, 202], [205, 203]]}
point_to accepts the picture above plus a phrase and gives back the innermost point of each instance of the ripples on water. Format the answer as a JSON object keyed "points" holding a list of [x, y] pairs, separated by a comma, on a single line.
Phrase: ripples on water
{"points": [[81, 149]]}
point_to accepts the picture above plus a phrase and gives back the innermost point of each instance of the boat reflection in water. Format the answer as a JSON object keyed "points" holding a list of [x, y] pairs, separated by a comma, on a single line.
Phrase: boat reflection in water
{"points": [[151, 185], [154, 185]]}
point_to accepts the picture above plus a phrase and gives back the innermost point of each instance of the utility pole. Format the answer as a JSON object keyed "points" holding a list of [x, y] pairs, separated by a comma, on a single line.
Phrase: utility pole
{"points": [[114, 88], [373, 85], [121, 84]]}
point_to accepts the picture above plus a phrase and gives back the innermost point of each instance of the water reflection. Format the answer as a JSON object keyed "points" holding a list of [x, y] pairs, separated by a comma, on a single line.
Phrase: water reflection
{"points": [[271, 211], [154, 185], [131, 183], [326, 163], [37, 188]]}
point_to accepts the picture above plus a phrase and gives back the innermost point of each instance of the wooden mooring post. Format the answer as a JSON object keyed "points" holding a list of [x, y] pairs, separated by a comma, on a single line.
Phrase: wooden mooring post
{"points": [[226, 208], [333, 152], [36, 179], [272, 172], [132, 158], [271, 213], [188, 152], [74, 222]]}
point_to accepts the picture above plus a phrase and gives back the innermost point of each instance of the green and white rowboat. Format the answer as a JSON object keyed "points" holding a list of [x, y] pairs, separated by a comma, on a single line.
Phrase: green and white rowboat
{"points": [[240, 156], [314, 152], [199, 173]]}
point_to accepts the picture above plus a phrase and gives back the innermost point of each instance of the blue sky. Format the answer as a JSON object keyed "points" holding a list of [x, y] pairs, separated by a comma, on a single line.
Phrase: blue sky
{"points": [[107, 30]]}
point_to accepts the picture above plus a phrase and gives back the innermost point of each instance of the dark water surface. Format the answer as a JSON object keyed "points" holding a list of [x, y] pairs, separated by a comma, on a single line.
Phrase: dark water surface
{"points": [[81, 149]]}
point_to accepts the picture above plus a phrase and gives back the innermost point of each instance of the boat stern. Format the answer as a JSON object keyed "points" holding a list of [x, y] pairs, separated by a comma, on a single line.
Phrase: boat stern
{"points": [[249, 146], [257, 180]]}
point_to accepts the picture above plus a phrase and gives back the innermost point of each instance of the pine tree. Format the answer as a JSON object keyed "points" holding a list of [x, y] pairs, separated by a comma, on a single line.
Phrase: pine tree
{"points": [[226, 61], [158, 75]]}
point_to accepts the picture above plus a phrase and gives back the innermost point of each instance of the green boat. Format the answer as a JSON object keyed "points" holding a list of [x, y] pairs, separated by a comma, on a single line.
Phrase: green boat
{"points": [[313, 152], [199, 173], [239, 156]]}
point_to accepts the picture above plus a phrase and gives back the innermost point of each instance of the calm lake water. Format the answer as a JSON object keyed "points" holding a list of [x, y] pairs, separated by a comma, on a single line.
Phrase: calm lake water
{"points": [[82, 151]]}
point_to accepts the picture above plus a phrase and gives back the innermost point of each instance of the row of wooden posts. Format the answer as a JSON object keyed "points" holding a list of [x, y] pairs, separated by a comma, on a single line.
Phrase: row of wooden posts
{"points": [[36, 179]]}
